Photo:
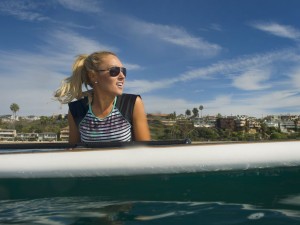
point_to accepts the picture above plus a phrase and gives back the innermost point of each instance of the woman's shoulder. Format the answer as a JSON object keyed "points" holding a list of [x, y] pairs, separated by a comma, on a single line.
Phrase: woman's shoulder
{"points": [[79, 107], [127, 97], [125, 103], [126, 100], [82, 101]]}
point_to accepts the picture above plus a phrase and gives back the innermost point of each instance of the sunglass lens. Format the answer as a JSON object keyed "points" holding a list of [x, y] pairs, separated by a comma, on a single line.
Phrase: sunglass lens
{"points": [[124, 71], [115, 71]]}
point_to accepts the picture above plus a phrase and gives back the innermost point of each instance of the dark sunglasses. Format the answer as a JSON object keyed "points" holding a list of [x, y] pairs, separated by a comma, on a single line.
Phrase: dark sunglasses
{"points": [[115, 71]]}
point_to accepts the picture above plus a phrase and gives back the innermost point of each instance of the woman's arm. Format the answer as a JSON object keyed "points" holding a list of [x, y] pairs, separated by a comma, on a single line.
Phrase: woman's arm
{"points": [[74, 136], [140, 123]]}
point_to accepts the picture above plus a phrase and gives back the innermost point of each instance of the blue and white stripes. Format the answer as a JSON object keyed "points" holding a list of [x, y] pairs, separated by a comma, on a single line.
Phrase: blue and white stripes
{"points": [[114, 127]]}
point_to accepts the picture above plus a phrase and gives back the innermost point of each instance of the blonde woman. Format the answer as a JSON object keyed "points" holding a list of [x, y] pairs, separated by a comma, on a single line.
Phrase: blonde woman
{"points": [[104, 113]]}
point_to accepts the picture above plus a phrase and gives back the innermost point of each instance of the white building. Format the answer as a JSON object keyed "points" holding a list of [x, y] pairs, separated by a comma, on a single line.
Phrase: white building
{"points": [[9, 118], [49, 136], [7, 134], [27, 136]]}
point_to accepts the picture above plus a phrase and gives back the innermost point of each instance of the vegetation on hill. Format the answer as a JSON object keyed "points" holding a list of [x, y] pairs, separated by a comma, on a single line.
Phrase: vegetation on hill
{"points": [[44, 124], [180, 130], [185, 129]]}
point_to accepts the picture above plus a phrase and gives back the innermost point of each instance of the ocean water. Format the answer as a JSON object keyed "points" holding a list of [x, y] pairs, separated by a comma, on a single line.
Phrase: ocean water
{"points": [[260, 196], [91, 210]]}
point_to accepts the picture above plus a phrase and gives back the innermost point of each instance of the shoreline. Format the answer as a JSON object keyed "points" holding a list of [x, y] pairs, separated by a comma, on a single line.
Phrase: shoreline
{"points": [[192, 142]]}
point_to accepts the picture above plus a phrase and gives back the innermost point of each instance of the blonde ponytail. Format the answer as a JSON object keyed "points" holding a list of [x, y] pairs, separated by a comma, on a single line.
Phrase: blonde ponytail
{"points": [[71, 87]]}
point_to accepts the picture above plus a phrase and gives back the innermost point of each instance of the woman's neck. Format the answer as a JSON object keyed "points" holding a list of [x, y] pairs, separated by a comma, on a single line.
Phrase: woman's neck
{"points": [[102, 105]]}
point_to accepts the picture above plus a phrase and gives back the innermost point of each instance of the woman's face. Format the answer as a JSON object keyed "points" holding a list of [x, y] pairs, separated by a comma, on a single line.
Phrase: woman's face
{"points": [[106, 83]]}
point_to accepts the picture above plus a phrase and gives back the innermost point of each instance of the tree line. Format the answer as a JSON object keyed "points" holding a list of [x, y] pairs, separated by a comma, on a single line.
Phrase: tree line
{"points": [[185, 129], [180, 130], [44, 124], [195, 111]]}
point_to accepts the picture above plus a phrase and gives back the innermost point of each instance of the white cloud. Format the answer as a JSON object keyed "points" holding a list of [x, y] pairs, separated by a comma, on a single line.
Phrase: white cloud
{"points": [[200, 73], [92, 6], [170, 34], [295, 78], [224, 104], [23, 10], [252, 80], [180, 37], [249, 80], [32, 11], [220, 101], [145, 86], [160, 104], [216, 27], [131, 66], [74, 43], [279, 30], [283, 100], [256, 104], [238, 65]]}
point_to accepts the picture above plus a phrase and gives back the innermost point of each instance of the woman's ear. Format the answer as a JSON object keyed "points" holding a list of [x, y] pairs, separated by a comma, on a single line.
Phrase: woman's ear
{"points": [[92, 77]]}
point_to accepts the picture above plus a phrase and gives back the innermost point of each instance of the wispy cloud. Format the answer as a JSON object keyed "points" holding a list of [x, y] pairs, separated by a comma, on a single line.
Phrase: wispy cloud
{"points": [[92, 6], [252, 80], [170, 34], [33, 11], [144, 86], [256, 104], [279, 30], [295, 77], [131, 66], [238, 65], [161, 104], [282, 99], [250, 75], [23, 9], [180, 37], [216, 27], [224, 104], [74, 43]]}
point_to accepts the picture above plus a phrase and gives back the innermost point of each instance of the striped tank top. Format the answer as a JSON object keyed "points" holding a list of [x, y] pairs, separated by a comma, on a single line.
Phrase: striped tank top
{"points": [[113, 127], [117, 126]]}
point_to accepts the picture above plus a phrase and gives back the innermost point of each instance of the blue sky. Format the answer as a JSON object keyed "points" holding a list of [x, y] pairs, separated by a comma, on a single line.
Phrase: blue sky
{"points": [[234, 57]]}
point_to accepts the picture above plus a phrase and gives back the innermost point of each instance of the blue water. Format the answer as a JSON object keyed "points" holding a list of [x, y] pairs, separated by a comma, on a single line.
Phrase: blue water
{"points": [[257, 196], [95, 210], [270, 196]]}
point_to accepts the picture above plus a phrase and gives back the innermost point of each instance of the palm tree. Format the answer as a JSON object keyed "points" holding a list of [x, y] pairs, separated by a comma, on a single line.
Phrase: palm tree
{"points": [[14, 107], [195, 112], [201, 108], [188, 112]]}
